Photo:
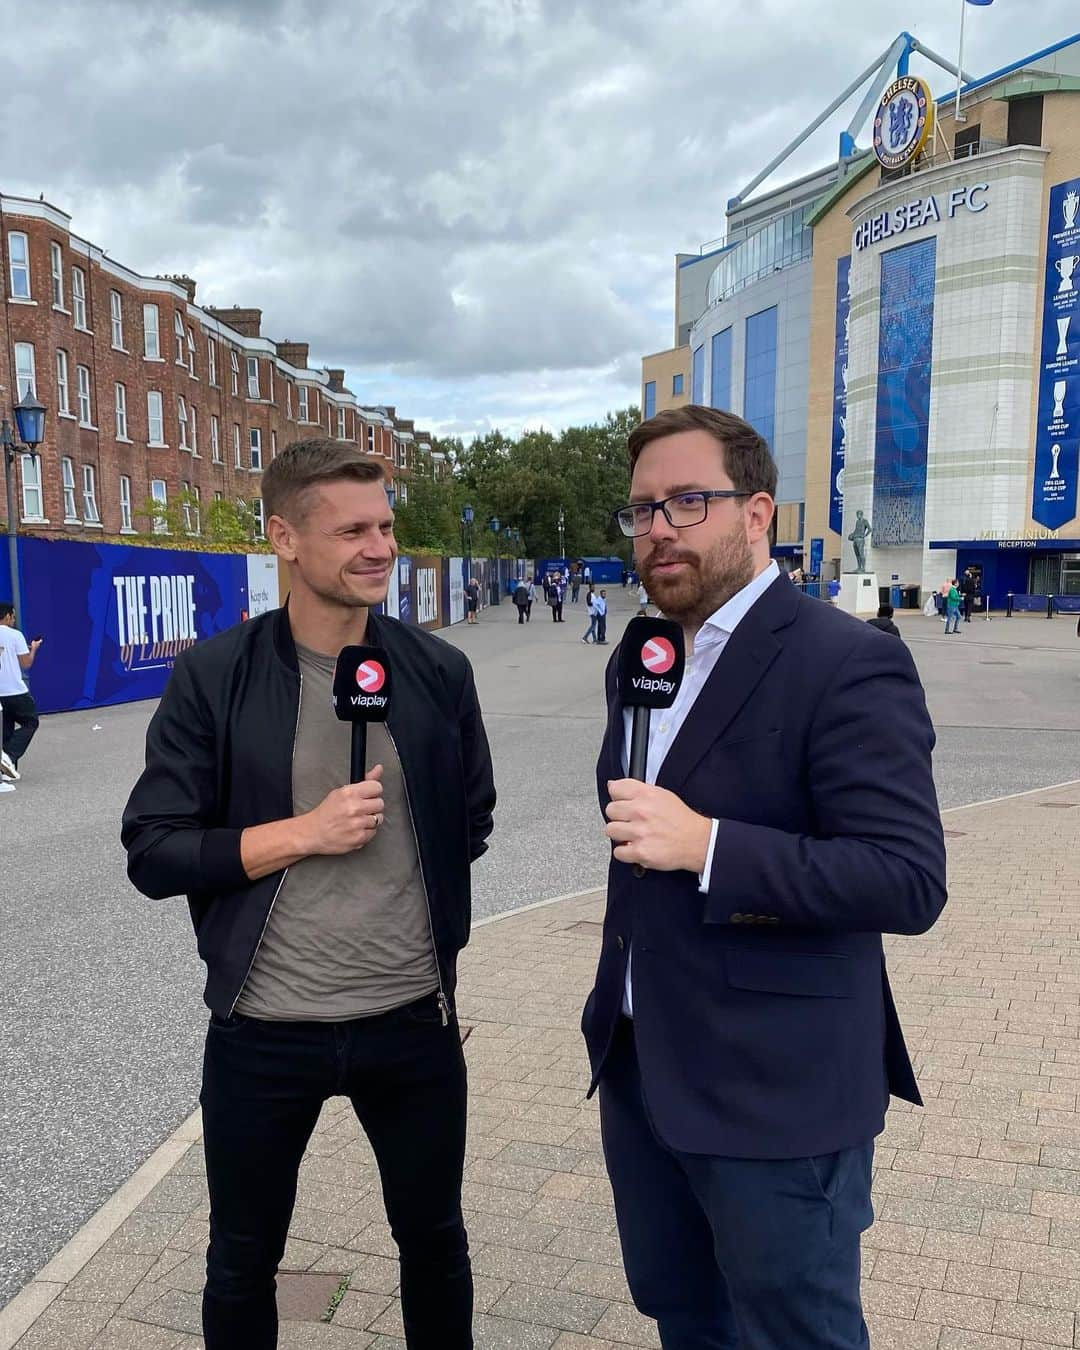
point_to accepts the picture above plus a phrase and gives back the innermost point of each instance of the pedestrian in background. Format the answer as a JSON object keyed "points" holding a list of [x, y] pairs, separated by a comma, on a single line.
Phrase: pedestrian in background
{"points": [[472, 599], [20, 710], [642, 601], [521, 600], [555, 598], [575, 585], [531, 593], [590, 605], [969, 589], [600, 609], [884, 620], [953, 601]]}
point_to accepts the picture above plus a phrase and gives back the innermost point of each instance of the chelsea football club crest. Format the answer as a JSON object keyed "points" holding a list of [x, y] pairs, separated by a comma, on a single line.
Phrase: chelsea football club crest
{"points": [[904, 122]]}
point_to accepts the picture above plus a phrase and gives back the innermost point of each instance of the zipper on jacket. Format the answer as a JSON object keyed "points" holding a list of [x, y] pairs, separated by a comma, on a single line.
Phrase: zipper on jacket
{"points": [[277, 891], [443, 1001]]}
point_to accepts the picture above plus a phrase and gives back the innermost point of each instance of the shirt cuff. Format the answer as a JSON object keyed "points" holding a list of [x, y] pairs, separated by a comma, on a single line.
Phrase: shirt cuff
{"points": [[706, 875]]}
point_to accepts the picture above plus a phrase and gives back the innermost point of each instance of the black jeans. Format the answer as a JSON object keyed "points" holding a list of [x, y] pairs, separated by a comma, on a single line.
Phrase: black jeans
{"points": [[556, 611], [601, 628], [20, 711], [264, 1084]]}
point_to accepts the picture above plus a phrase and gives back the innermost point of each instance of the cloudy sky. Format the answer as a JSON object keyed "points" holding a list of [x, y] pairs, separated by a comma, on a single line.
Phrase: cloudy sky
{"points": [[471, 205]]}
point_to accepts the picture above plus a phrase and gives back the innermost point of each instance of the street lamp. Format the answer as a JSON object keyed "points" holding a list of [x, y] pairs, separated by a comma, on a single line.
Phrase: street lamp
{"points": [[467, 517], [493, 526], [562, 527], [30, 429]]}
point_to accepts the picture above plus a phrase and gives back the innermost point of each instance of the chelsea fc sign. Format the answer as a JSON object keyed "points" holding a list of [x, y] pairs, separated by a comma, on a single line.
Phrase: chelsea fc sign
{"points": [[904, 122]]}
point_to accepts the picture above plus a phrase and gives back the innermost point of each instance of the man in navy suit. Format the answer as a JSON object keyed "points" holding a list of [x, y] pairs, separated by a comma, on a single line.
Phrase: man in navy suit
{"points": [[741, 1029]]}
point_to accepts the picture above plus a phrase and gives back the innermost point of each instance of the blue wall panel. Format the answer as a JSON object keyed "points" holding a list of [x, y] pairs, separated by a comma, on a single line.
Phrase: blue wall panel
{"points": [[905, 351], [759, 388], [698, 376], [720, 372]]}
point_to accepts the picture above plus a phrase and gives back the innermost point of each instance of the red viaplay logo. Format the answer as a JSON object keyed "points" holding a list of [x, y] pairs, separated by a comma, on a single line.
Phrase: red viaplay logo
{"points": [[658, 656], [370, 676]]}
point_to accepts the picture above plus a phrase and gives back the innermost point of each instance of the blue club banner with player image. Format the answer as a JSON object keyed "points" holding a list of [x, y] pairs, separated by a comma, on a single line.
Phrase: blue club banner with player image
{"points": [[905, 352], [840, 377], [1057, 436], [114, 617]]}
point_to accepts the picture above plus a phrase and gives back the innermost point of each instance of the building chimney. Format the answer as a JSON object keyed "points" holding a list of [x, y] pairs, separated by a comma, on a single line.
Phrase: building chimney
{"points": [[295, 353], [246, 322], [186, 282], [337, 380]]}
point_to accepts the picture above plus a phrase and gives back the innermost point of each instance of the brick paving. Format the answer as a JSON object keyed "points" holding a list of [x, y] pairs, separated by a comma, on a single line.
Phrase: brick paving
{"points": [[977, 1240]]}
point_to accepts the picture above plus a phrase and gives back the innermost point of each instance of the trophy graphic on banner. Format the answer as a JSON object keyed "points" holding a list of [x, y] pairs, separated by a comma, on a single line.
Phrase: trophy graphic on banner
{"points": [[1055, 472], [843, 433], [847, 329], [1059, 399], [1065, 268], [844, 371], [1069, 207], [1063, 335]]}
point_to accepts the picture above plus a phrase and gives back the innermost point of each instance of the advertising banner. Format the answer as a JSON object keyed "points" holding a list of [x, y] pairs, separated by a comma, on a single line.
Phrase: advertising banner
{"points": [[840, 383], [262, 584], [404, 588], [1057, 433], [115, 617], [427, 590], [905, 359], [457, 590]]}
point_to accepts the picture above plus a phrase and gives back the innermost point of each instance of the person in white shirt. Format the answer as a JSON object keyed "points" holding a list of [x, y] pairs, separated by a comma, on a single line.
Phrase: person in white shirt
{"points": [[600, 610], [643, 601], [20, 710]]}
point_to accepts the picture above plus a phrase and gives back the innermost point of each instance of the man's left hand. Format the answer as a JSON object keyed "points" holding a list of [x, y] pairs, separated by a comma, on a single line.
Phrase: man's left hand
{"points": [[653, 828]]}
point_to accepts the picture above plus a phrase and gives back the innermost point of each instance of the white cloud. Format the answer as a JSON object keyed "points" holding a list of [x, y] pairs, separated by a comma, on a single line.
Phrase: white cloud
{"points": [[472, 205]]}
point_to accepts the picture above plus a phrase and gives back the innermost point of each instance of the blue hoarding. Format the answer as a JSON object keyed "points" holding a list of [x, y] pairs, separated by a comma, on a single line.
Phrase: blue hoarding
{"points": [[1057, 434], [840, 379], [905, 352], [114, 617]]}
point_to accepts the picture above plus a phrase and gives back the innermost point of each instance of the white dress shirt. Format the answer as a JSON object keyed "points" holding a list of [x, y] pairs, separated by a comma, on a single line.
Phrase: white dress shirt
{"points": [[664, 726]]}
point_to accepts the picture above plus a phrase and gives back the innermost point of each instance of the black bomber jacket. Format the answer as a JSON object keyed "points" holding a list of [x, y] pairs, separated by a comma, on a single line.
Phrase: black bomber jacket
{"points": [[219, 759]]}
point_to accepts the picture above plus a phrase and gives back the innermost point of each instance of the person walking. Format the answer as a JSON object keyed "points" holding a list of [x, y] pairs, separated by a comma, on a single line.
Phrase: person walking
{"points": [[590, 605], [744, 1061], [953, 601], [329, 914], [575, 585], [530, 592], [600, 609], [555, 598], [20, 711], [884, 621], [642, 601], [943, 600], [547, 588], [521, 600], [472, 600]]}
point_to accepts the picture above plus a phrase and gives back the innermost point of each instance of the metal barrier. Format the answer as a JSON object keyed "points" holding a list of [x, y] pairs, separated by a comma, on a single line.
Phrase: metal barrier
{"points": [[1029, 604]]}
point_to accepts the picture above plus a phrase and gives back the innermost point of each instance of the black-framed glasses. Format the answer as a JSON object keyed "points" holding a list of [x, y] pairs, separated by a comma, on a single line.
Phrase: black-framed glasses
{"points": [[680, 512]]}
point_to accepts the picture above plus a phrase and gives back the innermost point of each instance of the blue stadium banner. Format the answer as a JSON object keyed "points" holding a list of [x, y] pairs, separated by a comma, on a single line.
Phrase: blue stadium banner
{"points": [[905, 357], [840, 378], [114, 616], [1057, 434]]}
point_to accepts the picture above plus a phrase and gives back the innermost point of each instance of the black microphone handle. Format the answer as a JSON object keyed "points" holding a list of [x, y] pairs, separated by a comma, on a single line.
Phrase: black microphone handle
{"points": [[639, 744], [358, 756]]}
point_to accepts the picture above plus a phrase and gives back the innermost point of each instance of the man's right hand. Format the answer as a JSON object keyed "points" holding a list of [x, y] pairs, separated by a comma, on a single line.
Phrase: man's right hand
{"points": [[347, 818]]}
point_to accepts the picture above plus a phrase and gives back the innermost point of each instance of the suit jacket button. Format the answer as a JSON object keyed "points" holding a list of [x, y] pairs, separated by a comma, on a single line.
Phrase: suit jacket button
{"points": [[639, 871], [620, 942]]}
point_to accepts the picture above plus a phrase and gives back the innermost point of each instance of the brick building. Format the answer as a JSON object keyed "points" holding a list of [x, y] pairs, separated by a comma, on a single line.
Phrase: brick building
{"points": [[153, 398]]}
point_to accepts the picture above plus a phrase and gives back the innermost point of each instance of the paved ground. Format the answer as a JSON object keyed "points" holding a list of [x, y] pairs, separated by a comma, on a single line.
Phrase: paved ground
{"points": [[977, 1240], [99, 989]]}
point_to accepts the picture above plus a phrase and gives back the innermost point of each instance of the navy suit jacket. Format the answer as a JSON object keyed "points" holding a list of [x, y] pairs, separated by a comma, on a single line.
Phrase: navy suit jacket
{"points": [[764, 1023]]}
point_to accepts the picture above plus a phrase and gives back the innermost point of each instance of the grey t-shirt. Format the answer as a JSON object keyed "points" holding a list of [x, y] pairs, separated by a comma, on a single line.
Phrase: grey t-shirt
{"points": [[349, 934]]}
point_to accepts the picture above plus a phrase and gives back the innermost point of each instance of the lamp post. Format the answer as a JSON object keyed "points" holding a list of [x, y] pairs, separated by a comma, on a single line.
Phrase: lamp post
{"points": [[562, 529], [30, 429], [493, 526], [467, 517]]}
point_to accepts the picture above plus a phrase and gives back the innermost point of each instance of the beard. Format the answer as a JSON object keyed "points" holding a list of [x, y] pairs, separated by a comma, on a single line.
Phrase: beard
{"points": [[708, 581]]}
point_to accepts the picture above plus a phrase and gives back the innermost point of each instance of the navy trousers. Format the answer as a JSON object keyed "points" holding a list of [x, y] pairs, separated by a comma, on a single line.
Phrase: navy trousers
{"points": [[734, 1253]]}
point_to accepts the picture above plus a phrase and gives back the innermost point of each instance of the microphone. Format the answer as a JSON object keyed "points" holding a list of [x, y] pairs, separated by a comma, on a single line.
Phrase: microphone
{"points": [[652, 661], [362, 688]]}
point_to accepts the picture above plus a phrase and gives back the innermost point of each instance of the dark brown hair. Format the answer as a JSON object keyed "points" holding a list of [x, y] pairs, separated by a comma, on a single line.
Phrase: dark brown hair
{"points": [[748, 461], [307, 464]]}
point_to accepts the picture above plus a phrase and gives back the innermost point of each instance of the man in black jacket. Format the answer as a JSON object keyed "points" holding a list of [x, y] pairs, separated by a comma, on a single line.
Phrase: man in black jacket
{"points": [[884, 621], [329, 914]]}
